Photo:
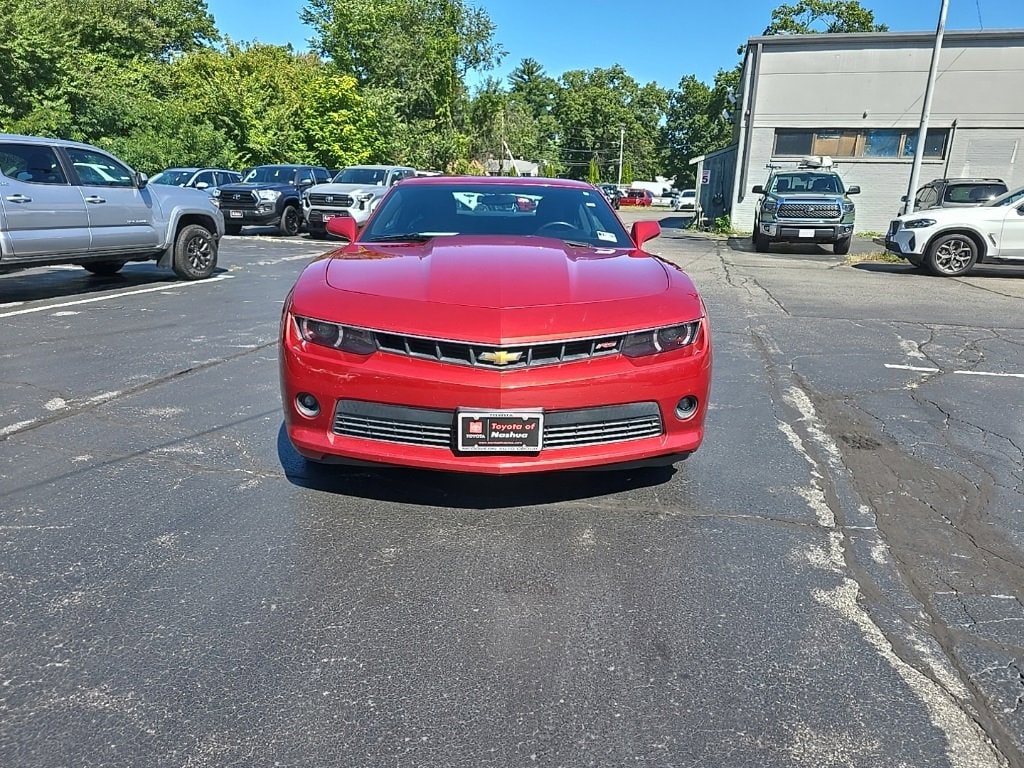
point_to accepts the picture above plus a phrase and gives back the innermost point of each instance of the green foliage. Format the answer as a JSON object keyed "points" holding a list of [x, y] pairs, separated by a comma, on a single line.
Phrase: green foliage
{"points": [[829, 16], [695, 124], [463, 167], [722, 226], [594, 172], [627, 172]]}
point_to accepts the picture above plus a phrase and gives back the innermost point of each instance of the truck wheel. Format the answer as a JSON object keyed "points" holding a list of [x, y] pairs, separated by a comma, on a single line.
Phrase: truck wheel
{"points": [[842, 247], [232, 229], [290, 221], [195, 253], [761, 243], [951, 256], [104, 268]]}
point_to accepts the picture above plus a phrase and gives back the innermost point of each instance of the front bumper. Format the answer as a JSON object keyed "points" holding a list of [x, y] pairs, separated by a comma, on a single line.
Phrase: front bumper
{"points": [[317, 218], [253, 216], [905, 242], [429, 394], [806, 231]]}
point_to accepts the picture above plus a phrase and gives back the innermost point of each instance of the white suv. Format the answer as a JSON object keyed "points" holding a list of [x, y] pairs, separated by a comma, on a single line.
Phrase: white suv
{"points": [[949, 241]]}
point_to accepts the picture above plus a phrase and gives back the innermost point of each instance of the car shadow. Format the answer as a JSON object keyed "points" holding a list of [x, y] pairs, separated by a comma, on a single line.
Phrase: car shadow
{"points": [[41, 283], [675, 221], [456, 490], [984, 270]]}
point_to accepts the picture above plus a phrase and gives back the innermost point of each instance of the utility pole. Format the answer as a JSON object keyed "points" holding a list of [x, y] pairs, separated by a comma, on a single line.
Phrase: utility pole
{"points": [[622, 136], [926, 109]]}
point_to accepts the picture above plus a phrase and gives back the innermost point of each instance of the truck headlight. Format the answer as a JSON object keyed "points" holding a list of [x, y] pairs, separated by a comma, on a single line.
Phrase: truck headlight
{"points": [[769, 207], [849, 207], [269, 194]]}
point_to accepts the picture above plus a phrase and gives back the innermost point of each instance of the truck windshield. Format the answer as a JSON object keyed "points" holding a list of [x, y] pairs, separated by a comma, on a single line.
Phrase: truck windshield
{"points": [[374, 176], [806, 183]]}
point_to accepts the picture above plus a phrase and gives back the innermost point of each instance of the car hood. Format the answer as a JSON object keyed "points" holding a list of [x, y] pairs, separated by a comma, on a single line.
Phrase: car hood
{"points": [[496, 289], [965, 214], [249, 186], [347, 189]]}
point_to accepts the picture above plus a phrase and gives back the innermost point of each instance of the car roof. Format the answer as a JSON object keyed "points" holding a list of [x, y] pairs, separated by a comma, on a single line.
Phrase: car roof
{"points": [[46, 141], [967, 180], [497, 181], [380, 167]]}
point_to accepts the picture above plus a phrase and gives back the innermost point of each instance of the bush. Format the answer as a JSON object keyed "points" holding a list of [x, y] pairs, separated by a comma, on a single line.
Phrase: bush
{"points": [[722, 226]]}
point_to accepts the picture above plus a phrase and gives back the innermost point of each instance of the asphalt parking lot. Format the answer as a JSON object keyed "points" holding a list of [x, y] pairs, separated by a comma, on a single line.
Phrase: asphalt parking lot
{"points": [[835, 579]]}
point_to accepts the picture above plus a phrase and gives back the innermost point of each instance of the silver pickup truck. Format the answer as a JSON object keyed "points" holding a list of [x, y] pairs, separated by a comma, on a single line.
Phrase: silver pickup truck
{"points": [[62, 202], [354, 192]]}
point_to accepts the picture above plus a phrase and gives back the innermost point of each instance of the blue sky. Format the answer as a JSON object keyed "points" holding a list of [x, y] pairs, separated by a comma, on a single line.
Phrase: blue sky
{"points": [[651, 39]]}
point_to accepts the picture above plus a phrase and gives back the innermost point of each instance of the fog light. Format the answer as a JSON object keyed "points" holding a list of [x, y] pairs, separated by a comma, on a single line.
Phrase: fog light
{"points": [[686, 408], [307, 405]]}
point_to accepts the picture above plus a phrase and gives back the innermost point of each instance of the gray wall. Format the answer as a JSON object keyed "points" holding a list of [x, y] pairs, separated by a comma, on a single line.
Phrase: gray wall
{"points": [[878, 81]]}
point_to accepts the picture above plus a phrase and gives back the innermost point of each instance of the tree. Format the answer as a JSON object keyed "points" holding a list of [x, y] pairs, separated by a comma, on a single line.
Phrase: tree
{"points": [[828, 16], [594, 172], [695, 123]]}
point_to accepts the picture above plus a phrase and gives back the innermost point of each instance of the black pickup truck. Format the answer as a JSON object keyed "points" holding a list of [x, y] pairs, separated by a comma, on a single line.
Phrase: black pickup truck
{"points": [[268, 195]]}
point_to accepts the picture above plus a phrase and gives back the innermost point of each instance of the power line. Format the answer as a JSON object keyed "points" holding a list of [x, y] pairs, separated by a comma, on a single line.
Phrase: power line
{"points": [[977, 4]]}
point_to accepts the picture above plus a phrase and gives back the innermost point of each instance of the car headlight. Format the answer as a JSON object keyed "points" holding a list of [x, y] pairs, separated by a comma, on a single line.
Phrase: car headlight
{"points": [[268, 194], [849, 207], [769, 206], [918, 223], [661, 339], [356, 340]]}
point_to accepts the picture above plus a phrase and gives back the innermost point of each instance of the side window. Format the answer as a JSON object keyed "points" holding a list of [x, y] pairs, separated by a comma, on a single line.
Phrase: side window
{"points": [[32, 163], [206, 177], [305, 176], [223, 177], [323, 176], [926, 198], [99, 170]]}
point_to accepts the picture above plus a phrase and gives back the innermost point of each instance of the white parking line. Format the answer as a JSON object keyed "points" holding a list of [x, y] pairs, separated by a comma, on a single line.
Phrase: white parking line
{"points": [[938, 370], [109, 296]]}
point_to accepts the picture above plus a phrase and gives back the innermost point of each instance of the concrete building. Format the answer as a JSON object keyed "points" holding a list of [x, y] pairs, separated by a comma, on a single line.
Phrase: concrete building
{"points": [[858, 97]]}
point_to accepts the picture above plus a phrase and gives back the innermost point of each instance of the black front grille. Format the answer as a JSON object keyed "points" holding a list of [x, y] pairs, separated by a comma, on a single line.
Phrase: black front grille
{"points": [[562, 429], [338, 201], [809, 211], [499, 358], [238, 200]]}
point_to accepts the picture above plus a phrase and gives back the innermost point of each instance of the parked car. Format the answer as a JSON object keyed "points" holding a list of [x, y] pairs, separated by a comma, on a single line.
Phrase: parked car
{"points": [[637, 197], [354, 192], [268, 195], [401, 348], [808, 203], [954, 193], [65, 202], [206, 179], [685, 200], [949, 242]]}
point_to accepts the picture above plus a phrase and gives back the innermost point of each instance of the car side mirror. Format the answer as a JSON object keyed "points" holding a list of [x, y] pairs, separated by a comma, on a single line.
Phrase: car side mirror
{"points": [[643, 231], [855, 190], [343, 227], [903, 198], [757, 190], [140, 179], [202, 185]]}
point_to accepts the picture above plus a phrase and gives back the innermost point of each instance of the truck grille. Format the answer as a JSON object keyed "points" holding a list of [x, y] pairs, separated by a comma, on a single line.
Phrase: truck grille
{"points": [[562, 429], [238, 200], [499, 358], [339, 201], [809, 211]]}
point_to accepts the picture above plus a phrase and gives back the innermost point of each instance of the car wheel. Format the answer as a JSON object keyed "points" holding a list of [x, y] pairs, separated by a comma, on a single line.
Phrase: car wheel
{"points": [[951, 256], [290, 221], [104, 268], [195, 253], [761, 243], [232, 229], [842, 247]]}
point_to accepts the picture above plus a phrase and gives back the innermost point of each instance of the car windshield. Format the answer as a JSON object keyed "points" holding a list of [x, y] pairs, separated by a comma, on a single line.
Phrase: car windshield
{"points": [[805, 183], [374, 176], [272, 174], [176, 178], [419, 211], [1008, 199], [972, 193]]}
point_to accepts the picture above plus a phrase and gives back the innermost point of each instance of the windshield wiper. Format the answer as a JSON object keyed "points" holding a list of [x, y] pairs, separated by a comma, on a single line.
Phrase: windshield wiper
{"points": [[408, 237]]}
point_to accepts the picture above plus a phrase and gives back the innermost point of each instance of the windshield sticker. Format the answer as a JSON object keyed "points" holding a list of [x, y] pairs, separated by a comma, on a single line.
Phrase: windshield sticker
{"points": [[609, 236]]}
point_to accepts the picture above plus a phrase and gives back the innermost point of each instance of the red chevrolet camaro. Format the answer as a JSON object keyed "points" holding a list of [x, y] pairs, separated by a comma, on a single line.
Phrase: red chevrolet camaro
{"points": [[456, 336]]}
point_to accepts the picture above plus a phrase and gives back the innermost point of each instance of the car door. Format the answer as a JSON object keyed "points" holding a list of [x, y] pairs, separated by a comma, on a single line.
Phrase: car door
{"points": [[121, 216], [45, 214], [1012, 241]]}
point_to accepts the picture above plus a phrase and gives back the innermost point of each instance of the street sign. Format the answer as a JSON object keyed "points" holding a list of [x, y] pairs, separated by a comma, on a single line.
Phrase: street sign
{"points": [[705, 176]]}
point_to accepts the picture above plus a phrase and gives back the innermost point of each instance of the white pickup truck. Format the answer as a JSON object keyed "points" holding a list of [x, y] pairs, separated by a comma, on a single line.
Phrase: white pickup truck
{"points": [[354, 192]]}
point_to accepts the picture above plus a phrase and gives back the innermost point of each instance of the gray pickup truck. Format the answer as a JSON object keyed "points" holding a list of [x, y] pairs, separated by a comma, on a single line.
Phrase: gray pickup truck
{"points": [[62, 202], [354, 193]]}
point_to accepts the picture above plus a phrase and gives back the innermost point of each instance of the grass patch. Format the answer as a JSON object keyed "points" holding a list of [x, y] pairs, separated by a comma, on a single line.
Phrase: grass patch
{"points": [[882, 256]]}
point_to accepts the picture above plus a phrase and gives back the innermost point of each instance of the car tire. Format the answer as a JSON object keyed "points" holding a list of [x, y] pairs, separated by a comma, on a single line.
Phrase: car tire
{"points": [[232, 229], [761, 243], [291, 221], [104, 268], [951, 255], [195, 253], [316, 235], [842, 247]]}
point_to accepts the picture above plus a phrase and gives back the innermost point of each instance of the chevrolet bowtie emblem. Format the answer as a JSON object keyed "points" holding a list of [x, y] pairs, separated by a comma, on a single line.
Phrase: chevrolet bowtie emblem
{"points": [[501, 357]]}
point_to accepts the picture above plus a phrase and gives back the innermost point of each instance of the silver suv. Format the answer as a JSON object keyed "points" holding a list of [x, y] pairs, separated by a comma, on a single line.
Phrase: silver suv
{"points": [[62, 202]]}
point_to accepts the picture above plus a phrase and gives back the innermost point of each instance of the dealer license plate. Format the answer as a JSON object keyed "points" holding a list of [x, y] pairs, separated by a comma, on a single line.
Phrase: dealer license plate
{"points": [[806, 233], [499, 431], [235, 214]]}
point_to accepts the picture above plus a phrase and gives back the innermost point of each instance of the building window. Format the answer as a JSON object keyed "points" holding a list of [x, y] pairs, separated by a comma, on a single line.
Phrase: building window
{"points": [[870, 142]]}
